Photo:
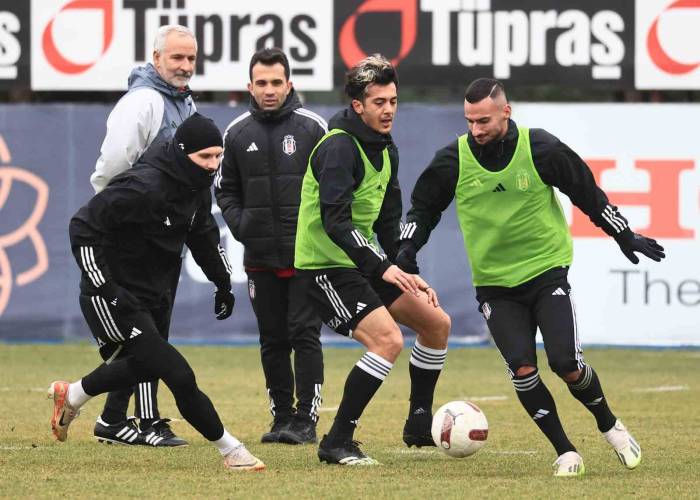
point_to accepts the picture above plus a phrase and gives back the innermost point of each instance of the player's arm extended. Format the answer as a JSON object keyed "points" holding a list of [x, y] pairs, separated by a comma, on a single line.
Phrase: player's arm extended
{"points": [[339, 170], [432, 194]]}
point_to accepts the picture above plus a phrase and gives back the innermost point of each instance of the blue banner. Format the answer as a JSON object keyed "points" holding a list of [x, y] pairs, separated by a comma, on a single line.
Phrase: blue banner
{"points": [[47, 153]]}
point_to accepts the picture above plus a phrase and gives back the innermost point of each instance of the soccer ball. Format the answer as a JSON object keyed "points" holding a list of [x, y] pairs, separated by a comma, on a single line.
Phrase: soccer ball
{"points": [[459, 428]]}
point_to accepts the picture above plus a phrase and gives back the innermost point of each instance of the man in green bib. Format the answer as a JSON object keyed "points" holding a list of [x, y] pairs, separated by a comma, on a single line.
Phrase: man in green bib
{"points": [[350, 193], [519, 245]]}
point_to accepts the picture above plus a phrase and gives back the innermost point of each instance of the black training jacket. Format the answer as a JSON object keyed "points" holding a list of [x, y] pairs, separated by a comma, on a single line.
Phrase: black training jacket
{"points": [[338, 168], [258, 187], [134, 230], [557, 165]]}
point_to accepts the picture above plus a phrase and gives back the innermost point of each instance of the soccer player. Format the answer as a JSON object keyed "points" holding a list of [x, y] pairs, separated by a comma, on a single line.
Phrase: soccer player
{"points": [[258, 188], [127, 239], [520, 250], [157, 101], [350, 192]]}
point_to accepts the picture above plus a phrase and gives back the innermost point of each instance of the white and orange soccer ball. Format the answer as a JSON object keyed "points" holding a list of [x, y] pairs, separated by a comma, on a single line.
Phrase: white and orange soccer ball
{"points": [[460, 428]]}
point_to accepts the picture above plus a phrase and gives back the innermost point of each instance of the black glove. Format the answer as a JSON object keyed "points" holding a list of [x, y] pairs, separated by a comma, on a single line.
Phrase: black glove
{"points": [[406, 257], [118, 297], [631, 242], [223, 302]]}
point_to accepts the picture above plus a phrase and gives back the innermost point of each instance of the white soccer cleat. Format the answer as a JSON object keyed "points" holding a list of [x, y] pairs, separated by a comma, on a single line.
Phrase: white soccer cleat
{"points": [[63, 413], [569, 464], [241, 459], [627, 449]]}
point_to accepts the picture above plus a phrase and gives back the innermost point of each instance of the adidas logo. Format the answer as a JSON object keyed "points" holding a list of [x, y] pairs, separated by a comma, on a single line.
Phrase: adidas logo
{"points": [[114, 302], [595, 402], [135, 332], [360, 307], [540, 414], [252, 147], [100, 342], [499, 188], [167, 221], [559, 291]]}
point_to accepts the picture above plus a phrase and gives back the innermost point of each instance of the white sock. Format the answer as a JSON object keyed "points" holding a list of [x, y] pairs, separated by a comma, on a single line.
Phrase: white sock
{"points": [[77, 397], [226, 443]]}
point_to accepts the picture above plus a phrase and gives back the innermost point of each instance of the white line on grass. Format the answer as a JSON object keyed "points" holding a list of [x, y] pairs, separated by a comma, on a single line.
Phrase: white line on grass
{"points": [[664, 388], [511, 452], [485, 398], [328, 408]]}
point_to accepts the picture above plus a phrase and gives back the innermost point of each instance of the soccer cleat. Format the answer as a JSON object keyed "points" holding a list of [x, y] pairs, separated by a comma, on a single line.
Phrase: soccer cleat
{"points": [[626, 448], [416, 430], [125, 432], [278, 425], [302, 430], [343, 453], [569, 464], [160, 434], [63, 413], [241, 459]]}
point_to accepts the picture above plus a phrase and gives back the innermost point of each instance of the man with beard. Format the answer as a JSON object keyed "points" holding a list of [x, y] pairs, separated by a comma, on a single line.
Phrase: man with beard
{"points": [[157, 102], [258, 190]]}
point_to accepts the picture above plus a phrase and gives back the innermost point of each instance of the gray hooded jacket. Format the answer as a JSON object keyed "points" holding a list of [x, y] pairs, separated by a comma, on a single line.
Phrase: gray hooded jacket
{"points": [[150, 111]]}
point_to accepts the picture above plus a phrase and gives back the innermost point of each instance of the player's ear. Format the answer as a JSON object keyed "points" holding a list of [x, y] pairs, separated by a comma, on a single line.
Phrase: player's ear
{"points": [[357, 106], [507, 111]]}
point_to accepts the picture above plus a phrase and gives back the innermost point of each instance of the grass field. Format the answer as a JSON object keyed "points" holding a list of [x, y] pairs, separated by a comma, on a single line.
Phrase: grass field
{"points": [[656, 393]]}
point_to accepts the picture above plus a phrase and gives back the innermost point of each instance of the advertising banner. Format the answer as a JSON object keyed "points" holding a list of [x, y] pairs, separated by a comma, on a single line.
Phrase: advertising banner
{"points": [[650, 172], [14, 44], [94, 44]]}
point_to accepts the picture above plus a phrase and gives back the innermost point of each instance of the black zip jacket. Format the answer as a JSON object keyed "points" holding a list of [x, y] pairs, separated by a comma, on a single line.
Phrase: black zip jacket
{"points": [[132, 232], [556, 163], [338, 168], [258, 187]]}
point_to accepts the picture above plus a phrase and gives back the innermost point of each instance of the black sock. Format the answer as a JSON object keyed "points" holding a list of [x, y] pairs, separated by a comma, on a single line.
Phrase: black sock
{"points": [[362, 382], [539, 404], [424, 369], [587, 389]]}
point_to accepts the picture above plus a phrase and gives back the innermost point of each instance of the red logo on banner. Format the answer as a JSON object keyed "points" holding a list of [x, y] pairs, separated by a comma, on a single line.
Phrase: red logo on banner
{"points": [[26, 230], [55, 58], [657, 53], [350, 50]]}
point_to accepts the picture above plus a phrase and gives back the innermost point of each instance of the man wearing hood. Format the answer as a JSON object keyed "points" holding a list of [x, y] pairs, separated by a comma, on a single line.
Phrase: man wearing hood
{"points": [[157, 102], [126, 241], [350, 193], [258, 189], [519, 245]]}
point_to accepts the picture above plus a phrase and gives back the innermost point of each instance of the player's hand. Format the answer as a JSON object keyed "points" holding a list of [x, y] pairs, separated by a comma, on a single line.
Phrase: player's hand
{"points": [[223, 303], [424, 287], [406, 282], [406, 257], [631, 242]]}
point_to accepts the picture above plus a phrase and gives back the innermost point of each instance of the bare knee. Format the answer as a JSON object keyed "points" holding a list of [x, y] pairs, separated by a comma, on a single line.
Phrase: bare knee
{"points": [[387, 342], [570, 377], [524, 370], [435, 333]]}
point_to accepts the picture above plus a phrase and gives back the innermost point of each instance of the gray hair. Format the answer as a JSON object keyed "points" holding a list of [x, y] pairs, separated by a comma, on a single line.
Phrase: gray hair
{"points": [[164, 31]]}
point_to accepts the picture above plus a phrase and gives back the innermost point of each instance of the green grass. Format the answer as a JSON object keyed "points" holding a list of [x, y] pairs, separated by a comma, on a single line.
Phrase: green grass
{"points": [[515, 462]]}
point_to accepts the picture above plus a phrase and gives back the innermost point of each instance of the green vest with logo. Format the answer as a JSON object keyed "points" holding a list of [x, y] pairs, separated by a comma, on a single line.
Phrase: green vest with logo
{"points": [[313, 248], [512, 223]]}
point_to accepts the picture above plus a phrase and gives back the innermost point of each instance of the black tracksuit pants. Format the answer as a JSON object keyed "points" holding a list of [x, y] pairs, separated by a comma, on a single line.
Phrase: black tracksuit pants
{"points": [[287, 323], [145, 393]]}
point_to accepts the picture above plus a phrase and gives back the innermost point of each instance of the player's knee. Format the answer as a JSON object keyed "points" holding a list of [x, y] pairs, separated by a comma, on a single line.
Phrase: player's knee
{"points": [[523, 370], [443, 326], [565, 369], [181, 381], [388, 343]]}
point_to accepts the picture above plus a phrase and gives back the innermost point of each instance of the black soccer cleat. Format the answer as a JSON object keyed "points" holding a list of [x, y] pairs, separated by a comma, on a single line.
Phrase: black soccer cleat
{"points": [[125, 432], [160, 434], [301, 430], [416, 431], [346, 452], [278, 425]]}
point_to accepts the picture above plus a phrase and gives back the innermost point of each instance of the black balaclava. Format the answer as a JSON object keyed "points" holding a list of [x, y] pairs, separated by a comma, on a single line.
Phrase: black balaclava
{"points": [[194, 134]]}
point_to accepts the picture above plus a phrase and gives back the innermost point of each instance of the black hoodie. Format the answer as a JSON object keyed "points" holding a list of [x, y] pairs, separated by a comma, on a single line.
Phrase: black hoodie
{"points": [[338, 168], [258, 187], [132, 232]]}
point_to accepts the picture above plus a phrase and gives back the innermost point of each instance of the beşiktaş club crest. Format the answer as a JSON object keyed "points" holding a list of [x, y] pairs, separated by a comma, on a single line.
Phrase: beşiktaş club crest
{"points": [[251, 289], [289, 145]]}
